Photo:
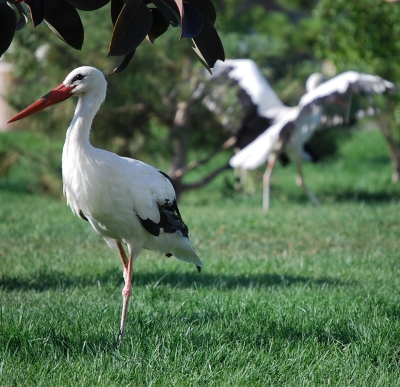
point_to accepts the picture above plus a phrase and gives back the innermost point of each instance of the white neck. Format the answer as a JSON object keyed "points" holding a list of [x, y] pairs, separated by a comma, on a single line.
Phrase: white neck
{"points": [[79, 130]]}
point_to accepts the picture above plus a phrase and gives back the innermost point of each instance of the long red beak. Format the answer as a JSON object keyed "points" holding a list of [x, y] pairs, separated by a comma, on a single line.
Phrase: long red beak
{"points": [[60, 93]]}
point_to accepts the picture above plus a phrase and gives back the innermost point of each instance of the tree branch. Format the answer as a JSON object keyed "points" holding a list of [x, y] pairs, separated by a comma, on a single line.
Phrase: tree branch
{"points": [[205, 179], [194, 164]]}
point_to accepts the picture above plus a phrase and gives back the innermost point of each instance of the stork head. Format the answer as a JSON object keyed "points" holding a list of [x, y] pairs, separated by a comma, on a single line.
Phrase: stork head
{"points": [[83, 80], [314, 80]]}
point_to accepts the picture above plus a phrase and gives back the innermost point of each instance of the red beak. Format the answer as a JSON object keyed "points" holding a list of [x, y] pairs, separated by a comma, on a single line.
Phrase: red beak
{"points": [[60, 93]]}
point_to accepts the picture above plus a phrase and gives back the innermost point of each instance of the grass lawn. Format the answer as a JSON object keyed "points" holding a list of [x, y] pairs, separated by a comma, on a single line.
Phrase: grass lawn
{"points": [[301, 296]]}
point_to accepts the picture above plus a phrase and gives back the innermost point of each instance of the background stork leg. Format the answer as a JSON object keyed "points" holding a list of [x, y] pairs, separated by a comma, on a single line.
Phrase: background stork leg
{"points": [[243, 178], [300, 182], [126, 291], [267, 181], [237, 185]]}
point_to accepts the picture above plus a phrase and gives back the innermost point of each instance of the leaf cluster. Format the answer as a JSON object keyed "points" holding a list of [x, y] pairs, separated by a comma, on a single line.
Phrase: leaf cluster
{"points": [[140, 104], [133, 21]]}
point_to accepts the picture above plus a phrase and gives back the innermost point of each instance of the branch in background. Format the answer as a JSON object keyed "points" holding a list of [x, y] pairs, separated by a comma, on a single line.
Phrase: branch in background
{"points": [[205, 180], [194, 164]]}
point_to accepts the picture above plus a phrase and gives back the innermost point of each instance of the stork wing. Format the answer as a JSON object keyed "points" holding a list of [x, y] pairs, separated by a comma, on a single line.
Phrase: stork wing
{"points": [[250, 78], [337, 102], [240, 97], [153, 197], [346, 98]]}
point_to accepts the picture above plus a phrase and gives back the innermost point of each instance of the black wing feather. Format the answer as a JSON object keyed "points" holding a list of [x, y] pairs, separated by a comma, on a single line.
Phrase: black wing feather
{"points": [[170, 220], [220, 94]]}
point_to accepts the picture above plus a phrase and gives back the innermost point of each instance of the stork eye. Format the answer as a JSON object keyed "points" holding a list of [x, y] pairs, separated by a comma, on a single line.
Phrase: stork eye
{"points": [[78, 77]]}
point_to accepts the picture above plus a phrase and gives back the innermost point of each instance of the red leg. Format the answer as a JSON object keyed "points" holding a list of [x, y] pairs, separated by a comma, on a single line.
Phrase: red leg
{"points": [[126, 291], [124, 259]]}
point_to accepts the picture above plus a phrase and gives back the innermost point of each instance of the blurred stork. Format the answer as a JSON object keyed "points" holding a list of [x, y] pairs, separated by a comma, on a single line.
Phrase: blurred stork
{"points": [[125, 201], [267, 128]]}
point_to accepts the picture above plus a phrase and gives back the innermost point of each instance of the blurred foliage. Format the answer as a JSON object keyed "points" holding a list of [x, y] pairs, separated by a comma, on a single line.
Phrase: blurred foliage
{"points": [[139, 107], [363, 35], [289, 42], [132, 22]]}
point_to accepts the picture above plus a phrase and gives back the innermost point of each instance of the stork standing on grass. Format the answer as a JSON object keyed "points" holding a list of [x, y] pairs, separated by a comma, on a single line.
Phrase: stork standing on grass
{"points": [[125, 201], [268, 128]]}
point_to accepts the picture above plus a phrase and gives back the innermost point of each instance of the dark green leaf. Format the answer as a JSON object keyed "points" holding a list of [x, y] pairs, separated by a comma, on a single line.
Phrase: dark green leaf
{"points": [[23, 20], [123, 64], [36, 9], [206, 7], [199, 55], [208, 45], [63, 19], [21, 23], [159, 26], [88, 5], [180, 10], [170, 11], [133, 24], [8, 22], [192, 22], [116, 8], [179, 4]]}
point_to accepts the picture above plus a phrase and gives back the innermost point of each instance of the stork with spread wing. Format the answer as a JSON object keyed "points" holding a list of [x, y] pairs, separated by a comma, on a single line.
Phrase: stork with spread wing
{"points": [[267, 128]]}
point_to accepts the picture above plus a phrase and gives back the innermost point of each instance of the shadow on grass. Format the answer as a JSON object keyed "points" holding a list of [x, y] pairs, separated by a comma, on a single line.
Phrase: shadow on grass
{"points": [[60, 344], [56, 280], [322, 332], [352, 196], [65, 344], [363, 196]]}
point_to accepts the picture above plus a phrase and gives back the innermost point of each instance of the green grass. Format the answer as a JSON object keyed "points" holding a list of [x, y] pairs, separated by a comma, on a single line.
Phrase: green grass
{"points": [[302, 296]]}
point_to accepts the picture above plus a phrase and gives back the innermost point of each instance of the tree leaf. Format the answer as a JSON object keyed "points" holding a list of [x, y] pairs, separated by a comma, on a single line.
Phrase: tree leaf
{"points": [[159, 26], [63, 19], [23, 20], [116, 8], [132, 26], [170, 11], [88, 5], [123, 64], [179, 4], [199, 55], [8, 22], [206, 7], [208, 45], [36, 9], [192, 23]]}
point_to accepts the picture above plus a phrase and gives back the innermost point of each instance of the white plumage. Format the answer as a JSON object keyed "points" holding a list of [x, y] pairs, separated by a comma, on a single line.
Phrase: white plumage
{"points": [[126, 201], [336, 102]]}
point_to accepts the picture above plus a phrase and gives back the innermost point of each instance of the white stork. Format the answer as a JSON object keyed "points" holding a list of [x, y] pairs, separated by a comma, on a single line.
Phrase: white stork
{"points": [[268, 128], [126, 201]]}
